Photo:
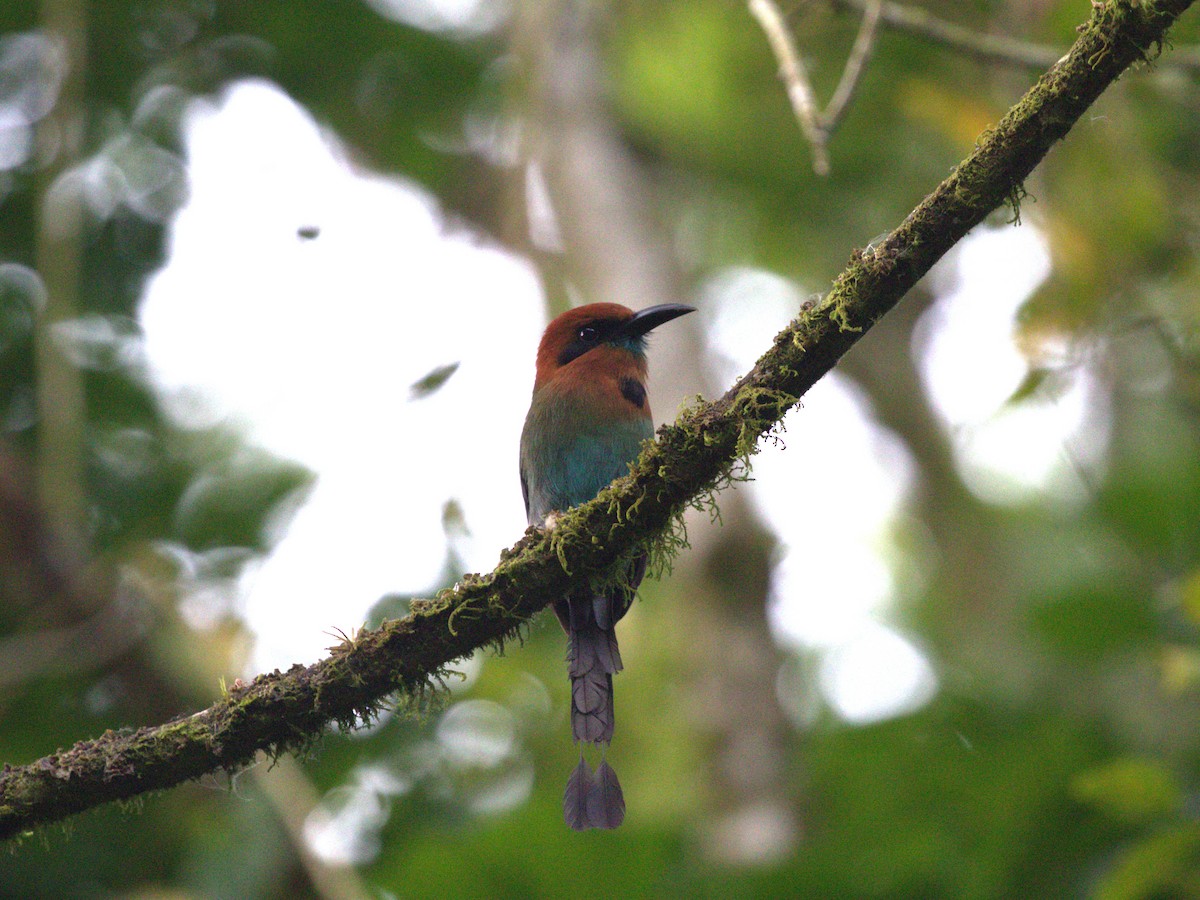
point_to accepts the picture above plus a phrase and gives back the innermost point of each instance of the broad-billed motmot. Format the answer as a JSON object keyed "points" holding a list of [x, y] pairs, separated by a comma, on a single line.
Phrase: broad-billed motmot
{"points": [[586, 423]]}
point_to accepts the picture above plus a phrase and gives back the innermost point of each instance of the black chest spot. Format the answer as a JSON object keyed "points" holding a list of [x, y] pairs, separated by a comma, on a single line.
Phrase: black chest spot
{"points": [[634, 391]]}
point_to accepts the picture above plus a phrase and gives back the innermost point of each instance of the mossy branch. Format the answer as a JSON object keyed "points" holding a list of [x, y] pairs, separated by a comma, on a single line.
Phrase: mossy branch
{"points": [[691, 458]]}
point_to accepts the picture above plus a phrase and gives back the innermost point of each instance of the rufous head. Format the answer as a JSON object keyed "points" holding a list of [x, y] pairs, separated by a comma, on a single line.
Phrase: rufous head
{"points": [[600, 331]]}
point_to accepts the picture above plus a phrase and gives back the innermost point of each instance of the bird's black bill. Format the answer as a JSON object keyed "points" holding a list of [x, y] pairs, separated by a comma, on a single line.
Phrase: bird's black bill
{"points": [[646, 320]]}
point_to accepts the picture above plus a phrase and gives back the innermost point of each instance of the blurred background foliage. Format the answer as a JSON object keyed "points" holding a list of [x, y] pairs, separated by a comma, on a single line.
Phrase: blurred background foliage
{"points": [[1059, 754]]}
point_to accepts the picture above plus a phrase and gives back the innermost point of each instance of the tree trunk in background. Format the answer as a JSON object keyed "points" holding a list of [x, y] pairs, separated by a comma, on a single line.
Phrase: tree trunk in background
{"points": [[60, 400]]}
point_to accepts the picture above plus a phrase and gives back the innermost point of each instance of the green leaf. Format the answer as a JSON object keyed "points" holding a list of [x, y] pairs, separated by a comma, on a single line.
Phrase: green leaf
{"points": [[1163, 865], [1190, 596], [432, 382], [1132, 790]]}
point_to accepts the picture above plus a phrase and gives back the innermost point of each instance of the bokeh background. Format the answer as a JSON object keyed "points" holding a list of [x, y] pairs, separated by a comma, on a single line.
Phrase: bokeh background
{"points": [[271, 280]]}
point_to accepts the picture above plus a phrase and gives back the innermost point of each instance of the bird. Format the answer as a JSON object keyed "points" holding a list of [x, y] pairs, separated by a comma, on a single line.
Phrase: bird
{"points": [[587, 420]]}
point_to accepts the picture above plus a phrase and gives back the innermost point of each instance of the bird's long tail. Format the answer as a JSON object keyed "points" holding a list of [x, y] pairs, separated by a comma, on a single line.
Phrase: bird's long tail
{"points": [[593, 658], [592, 800]]}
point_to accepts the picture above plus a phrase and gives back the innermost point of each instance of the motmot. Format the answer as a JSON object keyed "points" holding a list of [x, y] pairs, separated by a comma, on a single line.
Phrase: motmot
{"points": [[586, 423]]}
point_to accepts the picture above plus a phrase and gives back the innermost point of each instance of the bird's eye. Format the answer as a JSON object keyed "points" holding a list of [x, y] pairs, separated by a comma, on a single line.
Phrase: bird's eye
{"points": [[588, 334]]}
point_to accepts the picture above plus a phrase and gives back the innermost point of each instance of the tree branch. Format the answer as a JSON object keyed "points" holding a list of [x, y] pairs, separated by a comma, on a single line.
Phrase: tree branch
{"points": [[690, 459], [986, 47]]}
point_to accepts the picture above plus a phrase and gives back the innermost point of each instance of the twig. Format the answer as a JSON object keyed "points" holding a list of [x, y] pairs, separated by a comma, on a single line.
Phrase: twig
{"points": [[986, 47], [689, 460], [795, 79], [818, 125], [856, 63]]}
